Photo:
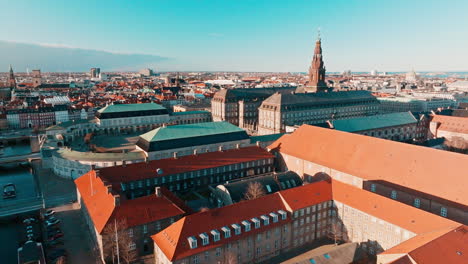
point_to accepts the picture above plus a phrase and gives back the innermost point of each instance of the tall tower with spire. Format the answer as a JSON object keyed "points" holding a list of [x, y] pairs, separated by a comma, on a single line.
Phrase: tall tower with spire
{"points": [[11, 79], [317, 70]]}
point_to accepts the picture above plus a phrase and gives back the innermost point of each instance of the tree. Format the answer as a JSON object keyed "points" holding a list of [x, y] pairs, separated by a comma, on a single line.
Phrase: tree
{"points": [[230, 258], [254, 191], [116, 236], [335, 232]]}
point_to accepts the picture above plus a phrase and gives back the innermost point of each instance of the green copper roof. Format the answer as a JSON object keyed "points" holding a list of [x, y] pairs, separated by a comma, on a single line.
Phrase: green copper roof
{"points": [[190, 112], [190, 130], [374, 122], [118, 108], [266, 138]]}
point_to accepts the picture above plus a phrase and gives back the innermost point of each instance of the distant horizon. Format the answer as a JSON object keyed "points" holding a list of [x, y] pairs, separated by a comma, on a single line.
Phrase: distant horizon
{"points": [[234, 36]]}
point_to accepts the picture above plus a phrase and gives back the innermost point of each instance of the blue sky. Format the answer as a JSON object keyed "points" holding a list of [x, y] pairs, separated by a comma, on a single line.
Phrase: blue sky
{"points": [[256, 35]]}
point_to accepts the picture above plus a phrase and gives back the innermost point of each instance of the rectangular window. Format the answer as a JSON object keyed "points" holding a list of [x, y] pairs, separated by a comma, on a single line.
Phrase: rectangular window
{"points": [[274, 216], [218, 252], [145, 229], [215, 234], [205, 239], [283, 214], [130, 232], [246, 225], [266, 219], [227, 232], [192, 242], [237, 229], [256, 222]]}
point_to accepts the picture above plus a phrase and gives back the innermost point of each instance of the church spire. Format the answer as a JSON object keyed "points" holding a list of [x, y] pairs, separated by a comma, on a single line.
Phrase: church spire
{"points": [[11, 78], [317, 69]]}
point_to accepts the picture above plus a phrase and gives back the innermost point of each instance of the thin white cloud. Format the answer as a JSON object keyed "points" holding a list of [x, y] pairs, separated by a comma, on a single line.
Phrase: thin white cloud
{"points": [[65, 46]]}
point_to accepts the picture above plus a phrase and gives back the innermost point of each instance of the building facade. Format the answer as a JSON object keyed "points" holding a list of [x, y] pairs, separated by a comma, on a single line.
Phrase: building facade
{"points": [[281, 110], [380, 166]]}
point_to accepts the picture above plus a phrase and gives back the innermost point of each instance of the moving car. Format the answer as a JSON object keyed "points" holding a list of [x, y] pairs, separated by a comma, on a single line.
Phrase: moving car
{"points": [[9, 191], [51, 223]]}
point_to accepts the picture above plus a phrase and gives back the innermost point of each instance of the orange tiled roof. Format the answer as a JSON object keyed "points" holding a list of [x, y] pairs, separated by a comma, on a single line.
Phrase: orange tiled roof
{"points": [[101, 207], [415, 167], [448, 245], [99, 203], [452, 123]]}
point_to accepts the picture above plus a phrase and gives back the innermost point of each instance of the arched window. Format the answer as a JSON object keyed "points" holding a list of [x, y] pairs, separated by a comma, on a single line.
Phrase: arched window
{"points": [[443, 212], [417, 203], [394, 195]]}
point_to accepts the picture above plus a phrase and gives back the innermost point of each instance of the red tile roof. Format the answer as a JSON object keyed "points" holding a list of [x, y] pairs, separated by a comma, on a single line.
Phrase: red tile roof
{"points": [[451, 123], [100, 204], [449, 245], [173, 240], [415, 167], [138, 171]]}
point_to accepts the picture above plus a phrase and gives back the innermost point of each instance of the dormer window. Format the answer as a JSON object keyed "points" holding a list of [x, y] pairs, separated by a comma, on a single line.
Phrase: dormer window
{"points": [[215, 234], [246, 225], [266, 219], [283, 214], [237, 229], [256, 222], [192, 242], [274, 216], [227, 231], [205, 239]]}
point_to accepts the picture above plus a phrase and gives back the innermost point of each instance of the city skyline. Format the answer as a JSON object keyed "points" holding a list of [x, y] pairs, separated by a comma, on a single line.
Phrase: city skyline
{"points": [[264, 36]]}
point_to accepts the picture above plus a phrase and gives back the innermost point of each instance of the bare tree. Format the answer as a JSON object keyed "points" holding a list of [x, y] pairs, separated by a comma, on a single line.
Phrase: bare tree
{"points": [[117, 242], [254, 191], [335, 232], [230, 258]]}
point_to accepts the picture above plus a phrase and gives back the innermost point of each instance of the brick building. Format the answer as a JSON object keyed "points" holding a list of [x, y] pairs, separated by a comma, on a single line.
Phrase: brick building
{"points": [[101, 206], [428, 179], [257, 230], [449, 127], [187, 172]]}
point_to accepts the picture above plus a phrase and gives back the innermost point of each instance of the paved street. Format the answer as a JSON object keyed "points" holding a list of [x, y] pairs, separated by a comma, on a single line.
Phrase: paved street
{"points": [[56, 190], [77, 238], [9, 241]]}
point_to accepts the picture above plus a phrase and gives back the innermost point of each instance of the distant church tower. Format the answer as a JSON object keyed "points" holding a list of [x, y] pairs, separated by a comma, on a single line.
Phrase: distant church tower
{"points": [[317, 70], [11, 79], [37, 78]]}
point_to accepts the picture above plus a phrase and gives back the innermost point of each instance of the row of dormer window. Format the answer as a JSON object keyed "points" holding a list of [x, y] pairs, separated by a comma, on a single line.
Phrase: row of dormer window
{"points": [[245, 225]]}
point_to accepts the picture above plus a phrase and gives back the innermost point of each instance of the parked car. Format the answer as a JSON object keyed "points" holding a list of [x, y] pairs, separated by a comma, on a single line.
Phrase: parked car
{"points": [[51, 223], [51, 219], [29, 227], [55, 243], [29, 220], [49, 213], [55, 236], [54, 232], [9, 191]]}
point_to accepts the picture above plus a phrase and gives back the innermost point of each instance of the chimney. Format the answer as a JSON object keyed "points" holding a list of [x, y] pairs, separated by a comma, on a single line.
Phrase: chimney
{"points": [[109, 188], [146, 159], [93, 167], [157, 191], [116, 200], [97, 172], [124, 163], [175, 154], [330, 124], [258, 143], [195, 152], [237, 146], [220, 148]]}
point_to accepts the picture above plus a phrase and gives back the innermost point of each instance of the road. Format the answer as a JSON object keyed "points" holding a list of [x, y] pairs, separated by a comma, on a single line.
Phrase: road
{"points": [[20, 158]]}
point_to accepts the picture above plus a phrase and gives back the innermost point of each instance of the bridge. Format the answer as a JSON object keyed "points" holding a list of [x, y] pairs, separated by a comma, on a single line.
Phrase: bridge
{"points": [[20, 158]]}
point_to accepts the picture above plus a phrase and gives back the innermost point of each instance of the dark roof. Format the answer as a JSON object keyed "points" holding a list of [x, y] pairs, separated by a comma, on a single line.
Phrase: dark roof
{"points": [[251, 93], [54, 85], [271, 183], [319, 98]]}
